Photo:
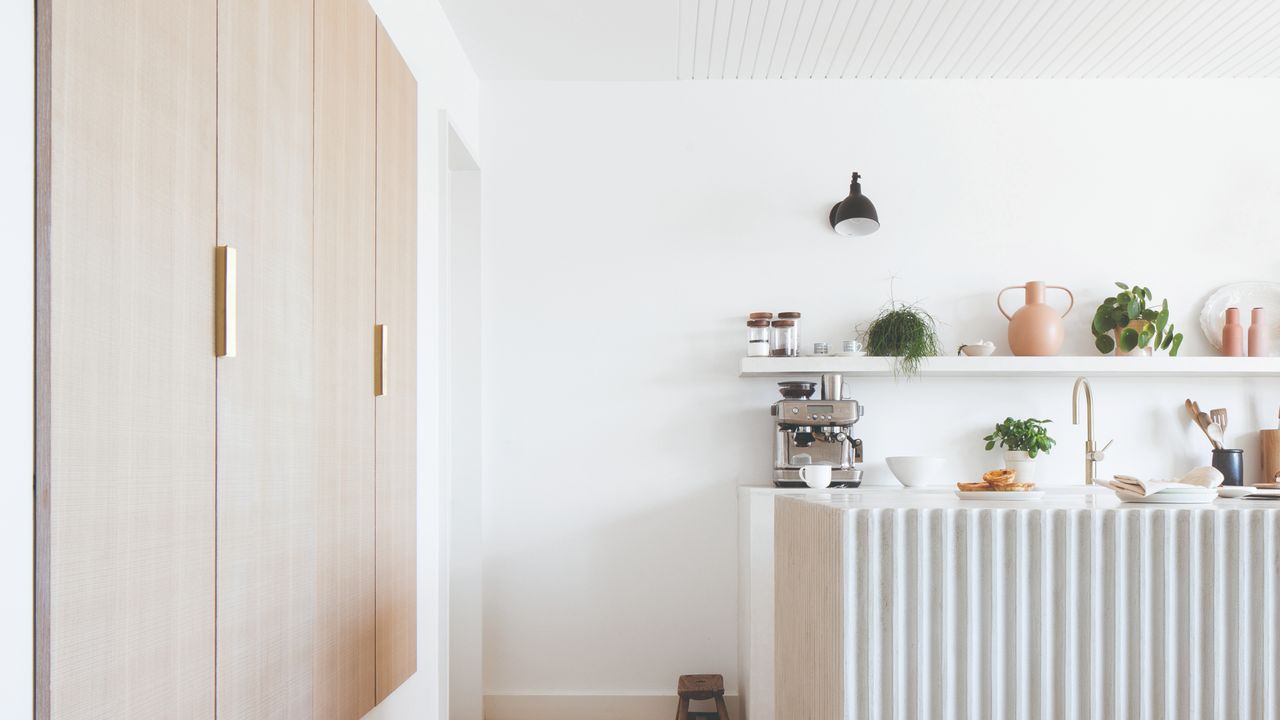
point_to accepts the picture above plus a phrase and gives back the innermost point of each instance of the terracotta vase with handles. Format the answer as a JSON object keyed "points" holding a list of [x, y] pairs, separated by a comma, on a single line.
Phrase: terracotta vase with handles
{"points": [[1036, 328]]}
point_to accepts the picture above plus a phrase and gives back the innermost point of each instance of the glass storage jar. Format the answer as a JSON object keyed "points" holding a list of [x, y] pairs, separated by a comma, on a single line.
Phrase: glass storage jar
{"points": [[757, 338], [795, 318], [783, 341]]}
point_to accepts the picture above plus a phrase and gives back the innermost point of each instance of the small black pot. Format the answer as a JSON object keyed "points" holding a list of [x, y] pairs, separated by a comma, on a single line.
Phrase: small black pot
{"points": [[1230, 463]]}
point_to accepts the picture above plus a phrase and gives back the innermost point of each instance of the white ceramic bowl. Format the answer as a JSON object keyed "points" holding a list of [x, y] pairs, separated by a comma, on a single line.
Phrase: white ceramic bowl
{"points": [[914, 471]]}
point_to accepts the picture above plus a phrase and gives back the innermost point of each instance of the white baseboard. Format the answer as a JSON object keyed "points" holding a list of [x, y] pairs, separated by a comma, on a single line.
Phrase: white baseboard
{"points": [[592, 706]]}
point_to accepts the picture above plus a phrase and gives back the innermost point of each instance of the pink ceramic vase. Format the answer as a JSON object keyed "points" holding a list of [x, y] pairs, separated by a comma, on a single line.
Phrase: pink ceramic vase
{"points": [[1259, 340], [1036, 328], [1233, 334]]}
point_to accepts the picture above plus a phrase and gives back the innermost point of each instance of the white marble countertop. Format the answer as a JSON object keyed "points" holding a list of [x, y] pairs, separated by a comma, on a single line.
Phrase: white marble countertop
{"points": [[944, 498]]}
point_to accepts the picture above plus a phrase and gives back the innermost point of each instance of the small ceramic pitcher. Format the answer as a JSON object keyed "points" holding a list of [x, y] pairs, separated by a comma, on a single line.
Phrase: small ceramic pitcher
{"points": [[1036, 328]]}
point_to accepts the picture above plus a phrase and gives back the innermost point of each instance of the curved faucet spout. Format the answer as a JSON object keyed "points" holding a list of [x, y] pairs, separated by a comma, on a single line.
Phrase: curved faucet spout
{"points": [[1088, 401], [1092, 456]]}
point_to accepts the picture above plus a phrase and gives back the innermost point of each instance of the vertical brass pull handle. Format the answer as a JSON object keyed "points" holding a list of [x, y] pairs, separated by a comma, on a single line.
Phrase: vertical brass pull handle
{"points": [[224, 301], [379, 359]]}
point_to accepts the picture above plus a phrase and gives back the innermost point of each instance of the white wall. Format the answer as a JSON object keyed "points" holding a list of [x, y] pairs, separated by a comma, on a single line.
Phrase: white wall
{"points": [[445, 81], [17, 180], [630, 227]]}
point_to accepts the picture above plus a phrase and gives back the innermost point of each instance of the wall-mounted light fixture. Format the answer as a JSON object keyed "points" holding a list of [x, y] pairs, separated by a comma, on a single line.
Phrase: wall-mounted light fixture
{"points": [[855, 215]]}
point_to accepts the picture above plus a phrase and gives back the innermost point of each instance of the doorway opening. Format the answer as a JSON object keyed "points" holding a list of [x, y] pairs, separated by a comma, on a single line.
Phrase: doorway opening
{"points": [[461, 489]]}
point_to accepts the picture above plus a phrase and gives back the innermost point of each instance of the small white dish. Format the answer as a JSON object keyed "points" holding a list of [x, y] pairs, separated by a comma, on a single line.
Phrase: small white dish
{"points": [[1248, 491], [1004, 495], [982, 348], [914, 471], [1235, 491]]}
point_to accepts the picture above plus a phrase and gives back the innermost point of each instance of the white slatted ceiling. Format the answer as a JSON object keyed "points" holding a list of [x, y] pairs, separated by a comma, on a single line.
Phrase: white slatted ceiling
{"points": [[794, 39]]}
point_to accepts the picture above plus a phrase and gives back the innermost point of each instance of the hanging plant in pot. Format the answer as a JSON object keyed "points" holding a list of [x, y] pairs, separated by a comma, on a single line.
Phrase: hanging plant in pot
{"points": [[1128, 324], [904, 332], [1022, 441]]}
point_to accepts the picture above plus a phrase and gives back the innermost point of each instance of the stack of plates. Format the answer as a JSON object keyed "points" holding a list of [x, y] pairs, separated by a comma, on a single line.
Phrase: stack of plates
{"points": [[1174, 496]]}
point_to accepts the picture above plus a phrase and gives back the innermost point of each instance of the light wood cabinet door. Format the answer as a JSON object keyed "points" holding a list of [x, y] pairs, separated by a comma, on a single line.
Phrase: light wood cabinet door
{"points": [[344, 320], [124, 359], [396, 409], [266, 514]]}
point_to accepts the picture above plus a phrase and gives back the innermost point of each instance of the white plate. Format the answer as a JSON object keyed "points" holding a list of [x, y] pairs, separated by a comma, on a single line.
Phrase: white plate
{"points": [[1235, 491], [1178, 497], [1246, 296], [1009, 495]]}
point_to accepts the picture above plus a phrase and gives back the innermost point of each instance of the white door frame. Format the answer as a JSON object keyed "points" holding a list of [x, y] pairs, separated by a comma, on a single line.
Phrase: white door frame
{"points": [[459, 353]]}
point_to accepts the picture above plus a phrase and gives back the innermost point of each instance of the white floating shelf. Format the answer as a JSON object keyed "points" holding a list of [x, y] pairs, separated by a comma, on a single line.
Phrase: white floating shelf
{"points": [[1003, 366]]}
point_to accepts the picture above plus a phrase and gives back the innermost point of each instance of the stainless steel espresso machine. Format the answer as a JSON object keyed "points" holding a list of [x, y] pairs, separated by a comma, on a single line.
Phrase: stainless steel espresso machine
{"points": [[816, 432]]}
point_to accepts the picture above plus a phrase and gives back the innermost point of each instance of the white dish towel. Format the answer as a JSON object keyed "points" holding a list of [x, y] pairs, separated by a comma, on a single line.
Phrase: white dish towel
{"points": [[1129, 488]]}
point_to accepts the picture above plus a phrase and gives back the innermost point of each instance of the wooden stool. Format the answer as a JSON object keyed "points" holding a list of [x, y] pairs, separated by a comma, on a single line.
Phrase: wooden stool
{"points": [[701, 687]]}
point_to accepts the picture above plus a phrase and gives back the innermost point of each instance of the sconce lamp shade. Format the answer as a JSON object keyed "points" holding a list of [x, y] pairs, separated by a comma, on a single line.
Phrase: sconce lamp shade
{"points": [[855, 215]]}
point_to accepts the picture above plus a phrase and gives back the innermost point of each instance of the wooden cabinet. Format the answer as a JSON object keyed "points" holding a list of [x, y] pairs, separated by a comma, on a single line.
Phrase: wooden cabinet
{"points": [[125, 401], [206, 526], [396, 412], [266, 469], [344, 319]]}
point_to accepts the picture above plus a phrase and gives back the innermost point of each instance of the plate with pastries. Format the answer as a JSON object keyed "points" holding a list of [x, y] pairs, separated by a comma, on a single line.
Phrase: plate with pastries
{"points": [[1001, 485]]}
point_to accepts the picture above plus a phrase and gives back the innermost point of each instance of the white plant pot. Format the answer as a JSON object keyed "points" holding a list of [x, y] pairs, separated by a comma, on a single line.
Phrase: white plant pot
{"points": [[1020, 462], [1144, 351]]}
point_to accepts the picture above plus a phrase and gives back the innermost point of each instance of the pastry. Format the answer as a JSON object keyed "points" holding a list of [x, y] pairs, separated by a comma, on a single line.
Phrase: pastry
{"points": [[998, 478], [1014, 487]]}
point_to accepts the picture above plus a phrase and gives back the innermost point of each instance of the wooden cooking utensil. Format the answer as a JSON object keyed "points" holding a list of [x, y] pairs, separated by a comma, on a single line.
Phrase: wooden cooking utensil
{"points": [[1212, 430], [1194, 411], [1219, 417], [1206, 425]]}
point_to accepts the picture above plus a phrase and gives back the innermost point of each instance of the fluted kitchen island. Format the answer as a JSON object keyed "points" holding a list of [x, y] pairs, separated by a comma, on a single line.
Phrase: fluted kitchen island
{"points": [[895, 604]]}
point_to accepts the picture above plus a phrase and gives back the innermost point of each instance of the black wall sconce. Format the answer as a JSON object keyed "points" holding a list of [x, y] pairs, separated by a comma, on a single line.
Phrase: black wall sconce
{"points": [[855, 215]]}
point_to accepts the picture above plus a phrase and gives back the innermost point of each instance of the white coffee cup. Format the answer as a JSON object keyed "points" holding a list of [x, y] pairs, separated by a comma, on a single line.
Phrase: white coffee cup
{"points": [[816, 476]]}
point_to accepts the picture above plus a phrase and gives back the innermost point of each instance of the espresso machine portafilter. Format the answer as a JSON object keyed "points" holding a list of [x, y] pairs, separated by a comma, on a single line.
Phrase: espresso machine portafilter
{"points": [[817, 432]]}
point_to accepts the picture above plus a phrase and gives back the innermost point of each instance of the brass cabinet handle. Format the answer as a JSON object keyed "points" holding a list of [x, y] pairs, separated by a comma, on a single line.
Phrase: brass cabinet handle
{"points": [[224, 301], [379, 359]]}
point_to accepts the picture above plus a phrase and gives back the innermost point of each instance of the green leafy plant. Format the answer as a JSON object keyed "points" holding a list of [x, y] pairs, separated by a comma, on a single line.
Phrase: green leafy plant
{"points": [[904, 332], [1028, 435], [1135, 321]]}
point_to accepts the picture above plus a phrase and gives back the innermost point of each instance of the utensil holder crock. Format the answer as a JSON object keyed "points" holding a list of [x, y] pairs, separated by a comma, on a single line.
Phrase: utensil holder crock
{"points": [[1230, 462]]}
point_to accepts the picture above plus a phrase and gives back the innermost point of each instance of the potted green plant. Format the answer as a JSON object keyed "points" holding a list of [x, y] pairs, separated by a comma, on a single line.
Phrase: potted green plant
{"points": [[1022, 441], [904, 332], [1129, 324]]}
